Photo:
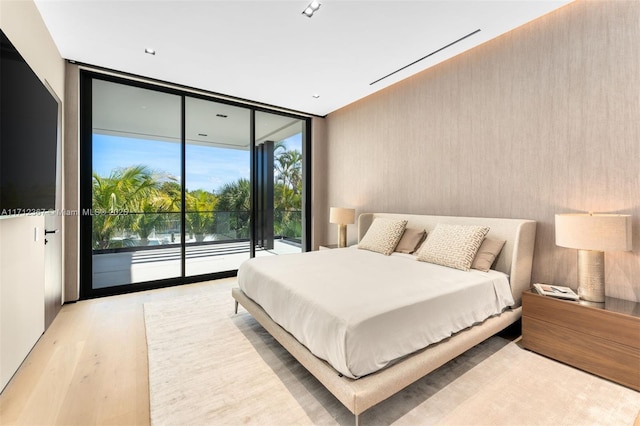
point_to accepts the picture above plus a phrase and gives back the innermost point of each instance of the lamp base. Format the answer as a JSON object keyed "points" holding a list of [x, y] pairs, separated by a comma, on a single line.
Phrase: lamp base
{"points": [[591, 275], [342, 236]]}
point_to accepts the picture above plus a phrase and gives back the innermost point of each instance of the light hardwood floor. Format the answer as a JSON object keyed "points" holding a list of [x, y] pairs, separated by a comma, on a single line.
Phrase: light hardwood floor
{"points": [[90, 366]]}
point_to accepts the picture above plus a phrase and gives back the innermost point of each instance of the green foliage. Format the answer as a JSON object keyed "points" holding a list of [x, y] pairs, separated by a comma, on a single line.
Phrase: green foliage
{"points": [[288, 193], [199, 216], [116, 197], [234, 204], [139, 200]]}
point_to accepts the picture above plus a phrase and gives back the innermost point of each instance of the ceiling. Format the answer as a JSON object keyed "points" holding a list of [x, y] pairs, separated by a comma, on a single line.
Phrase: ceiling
{"points": [[134, 112], [269, 52]]}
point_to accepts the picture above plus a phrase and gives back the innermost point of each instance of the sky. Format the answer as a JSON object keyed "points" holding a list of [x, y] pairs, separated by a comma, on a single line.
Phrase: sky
{"points": [[207, 168]]}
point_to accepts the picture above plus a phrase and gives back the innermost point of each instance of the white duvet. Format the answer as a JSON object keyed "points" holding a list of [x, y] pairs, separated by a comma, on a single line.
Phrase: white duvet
{"points": [[361, 310]]}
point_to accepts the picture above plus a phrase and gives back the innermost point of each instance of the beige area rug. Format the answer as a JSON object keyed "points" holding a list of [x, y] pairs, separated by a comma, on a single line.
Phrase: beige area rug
{"points": [[209, 366]]}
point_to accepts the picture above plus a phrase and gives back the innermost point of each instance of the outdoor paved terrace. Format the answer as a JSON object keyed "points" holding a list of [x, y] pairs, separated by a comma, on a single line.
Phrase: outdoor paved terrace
{"points": [[149, 264]]}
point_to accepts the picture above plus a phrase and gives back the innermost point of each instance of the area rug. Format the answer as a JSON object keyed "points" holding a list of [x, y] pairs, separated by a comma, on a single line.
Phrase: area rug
{"points": [[210, 366]]}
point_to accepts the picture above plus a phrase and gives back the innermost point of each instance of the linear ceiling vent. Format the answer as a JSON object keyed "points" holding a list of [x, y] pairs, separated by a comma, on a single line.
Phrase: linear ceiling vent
{"points": [[425, 57]]}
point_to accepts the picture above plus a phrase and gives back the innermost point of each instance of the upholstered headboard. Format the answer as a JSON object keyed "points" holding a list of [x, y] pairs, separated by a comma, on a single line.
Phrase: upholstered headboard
{"points": [[516, 256]]}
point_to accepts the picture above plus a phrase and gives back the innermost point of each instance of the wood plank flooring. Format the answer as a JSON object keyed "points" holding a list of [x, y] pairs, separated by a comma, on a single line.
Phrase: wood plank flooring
{"points": [[90, 366]]}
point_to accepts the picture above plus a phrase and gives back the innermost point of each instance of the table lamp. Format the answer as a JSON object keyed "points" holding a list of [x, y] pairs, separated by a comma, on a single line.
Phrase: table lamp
{"points": [[342, 217], [593, 234]]}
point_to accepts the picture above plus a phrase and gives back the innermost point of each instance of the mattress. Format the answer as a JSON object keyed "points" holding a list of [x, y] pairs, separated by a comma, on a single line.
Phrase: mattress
{"points": [[360, 311]]}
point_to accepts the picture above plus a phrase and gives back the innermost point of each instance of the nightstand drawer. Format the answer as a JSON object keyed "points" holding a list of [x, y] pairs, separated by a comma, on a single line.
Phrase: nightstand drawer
{"points": [[594, 321], [605, 358]]}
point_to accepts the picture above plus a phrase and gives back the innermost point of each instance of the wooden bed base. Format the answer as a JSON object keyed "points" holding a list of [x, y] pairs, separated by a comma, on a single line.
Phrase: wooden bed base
{"points": [[361, 394]]}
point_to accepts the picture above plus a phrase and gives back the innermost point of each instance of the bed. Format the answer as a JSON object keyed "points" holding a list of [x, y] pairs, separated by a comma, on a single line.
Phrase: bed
{"points": [[332, 320]]}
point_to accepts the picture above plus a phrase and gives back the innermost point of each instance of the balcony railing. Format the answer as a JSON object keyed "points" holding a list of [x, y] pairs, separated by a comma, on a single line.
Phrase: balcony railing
{"points": [[135, 231]]}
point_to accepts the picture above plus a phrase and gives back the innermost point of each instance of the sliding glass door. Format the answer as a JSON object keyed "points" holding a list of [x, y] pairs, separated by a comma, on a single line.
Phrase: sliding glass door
{"points": [[135, 185], [177, 188], [218, 197]]}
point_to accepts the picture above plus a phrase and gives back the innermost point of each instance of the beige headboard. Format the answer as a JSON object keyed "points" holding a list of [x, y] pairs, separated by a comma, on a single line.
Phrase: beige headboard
{"points": [[516, 257]]}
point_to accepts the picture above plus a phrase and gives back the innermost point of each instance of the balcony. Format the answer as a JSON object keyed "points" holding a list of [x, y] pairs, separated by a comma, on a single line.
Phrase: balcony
{"points": [[127, 258]]}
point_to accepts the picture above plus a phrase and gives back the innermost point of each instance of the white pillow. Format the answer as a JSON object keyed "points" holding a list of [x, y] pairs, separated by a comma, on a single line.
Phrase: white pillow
{"points": [[383, 235], [454, 246]]}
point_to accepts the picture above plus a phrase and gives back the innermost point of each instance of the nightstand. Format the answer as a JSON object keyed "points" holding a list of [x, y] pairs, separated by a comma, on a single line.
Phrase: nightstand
{"points": [[603, 339], [328, 246]]}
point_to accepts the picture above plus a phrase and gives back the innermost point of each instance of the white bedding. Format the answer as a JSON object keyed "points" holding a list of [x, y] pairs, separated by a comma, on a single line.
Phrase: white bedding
{"points": [[361, 310]]}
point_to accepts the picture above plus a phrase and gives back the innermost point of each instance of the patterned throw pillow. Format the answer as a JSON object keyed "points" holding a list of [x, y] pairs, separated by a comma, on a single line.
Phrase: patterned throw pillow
{"points": [[454, 246], [383, 235]]}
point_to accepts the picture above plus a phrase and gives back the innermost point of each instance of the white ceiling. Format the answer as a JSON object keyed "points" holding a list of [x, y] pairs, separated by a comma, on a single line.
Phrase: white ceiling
{"points": [[269, 52], [134, 112]]}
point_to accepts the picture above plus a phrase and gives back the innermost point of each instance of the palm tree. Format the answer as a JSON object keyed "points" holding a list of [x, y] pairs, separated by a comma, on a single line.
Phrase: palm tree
{"points": [[199, 215], [153, 211], [288, 168], [288, 193], [115, 198], [235, 199], [104, 199], [171, 193]]}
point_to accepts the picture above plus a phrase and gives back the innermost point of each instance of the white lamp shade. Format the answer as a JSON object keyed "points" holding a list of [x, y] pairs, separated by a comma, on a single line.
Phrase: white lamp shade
{"points": [[341, 215], [601, 232]]}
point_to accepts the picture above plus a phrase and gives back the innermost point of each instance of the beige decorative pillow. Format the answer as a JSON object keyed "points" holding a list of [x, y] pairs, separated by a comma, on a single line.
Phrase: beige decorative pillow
{"points": [[411, 240], [383, 235], [454, 246], [487, 254]]}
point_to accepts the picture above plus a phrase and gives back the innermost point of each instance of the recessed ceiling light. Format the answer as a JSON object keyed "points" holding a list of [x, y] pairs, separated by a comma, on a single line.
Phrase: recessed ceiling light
{"points": [[150, 51], [311, 8], [315, 95]]}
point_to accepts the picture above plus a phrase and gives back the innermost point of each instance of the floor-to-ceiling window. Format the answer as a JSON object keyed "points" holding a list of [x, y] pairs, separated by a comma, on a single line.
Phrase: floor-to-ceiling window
{"points": [[168, 190], [279, 182], [217, 186], [135, 185]]}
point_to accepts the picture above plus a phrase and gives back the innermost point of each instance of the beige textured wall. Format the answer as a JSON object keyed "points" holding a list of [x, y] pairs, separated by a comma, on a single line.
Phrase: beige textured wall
{"points": [[72, 184], [319, 214], [542, 120], [21, 22]]}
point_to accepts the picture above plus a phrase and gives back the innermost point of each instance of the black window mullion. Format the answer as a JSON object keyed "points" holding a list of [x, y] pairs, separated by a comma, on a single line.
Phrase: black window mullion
{"points": [[85, 172], [183, 194], [85, 269], [306, 186], [253, 184]]}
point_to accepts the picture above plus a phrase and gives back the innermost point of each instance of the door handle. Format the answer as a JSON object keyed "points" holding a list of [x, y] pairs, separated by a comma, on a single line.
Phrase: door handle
{"points": [[55, 231]]}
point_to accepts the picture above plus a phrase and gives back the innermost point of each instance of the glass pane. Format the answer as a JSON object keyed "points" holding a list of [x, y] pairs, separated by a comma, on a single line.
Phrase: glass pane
{"points": [[217, 186], [136, 163], [279, 160]]}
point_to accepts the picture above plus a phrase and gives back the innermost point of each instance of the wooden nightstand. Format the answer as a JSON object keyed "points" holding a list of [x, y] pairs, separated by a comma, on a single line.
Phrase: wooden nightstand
{"points": [[603, 339]]}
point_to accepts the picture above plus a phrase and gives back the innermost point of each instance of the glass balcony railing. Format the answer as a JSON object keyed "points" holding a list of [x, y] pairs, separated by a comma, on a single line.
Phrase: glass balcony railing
{"points": [[145, 231]]}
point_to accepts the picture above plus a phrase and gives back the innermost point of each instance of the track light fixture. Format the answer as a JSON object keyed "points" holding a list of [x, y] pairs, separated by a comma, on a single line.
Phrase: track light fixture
{"points": [[312, 8]]}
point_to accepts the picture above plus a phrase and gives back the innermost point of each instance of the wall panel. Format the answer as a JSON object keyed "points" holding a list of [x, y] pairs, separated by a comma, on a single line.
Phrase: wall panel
{"points": [[72, 184], [22, 296], [22, 258], [542, 120]]}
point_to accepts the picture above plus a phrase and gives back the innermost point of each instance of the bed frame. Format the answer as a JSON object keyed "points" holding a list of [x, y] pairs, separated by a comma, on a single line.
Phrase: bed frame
{"points": [[360, 394]]}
